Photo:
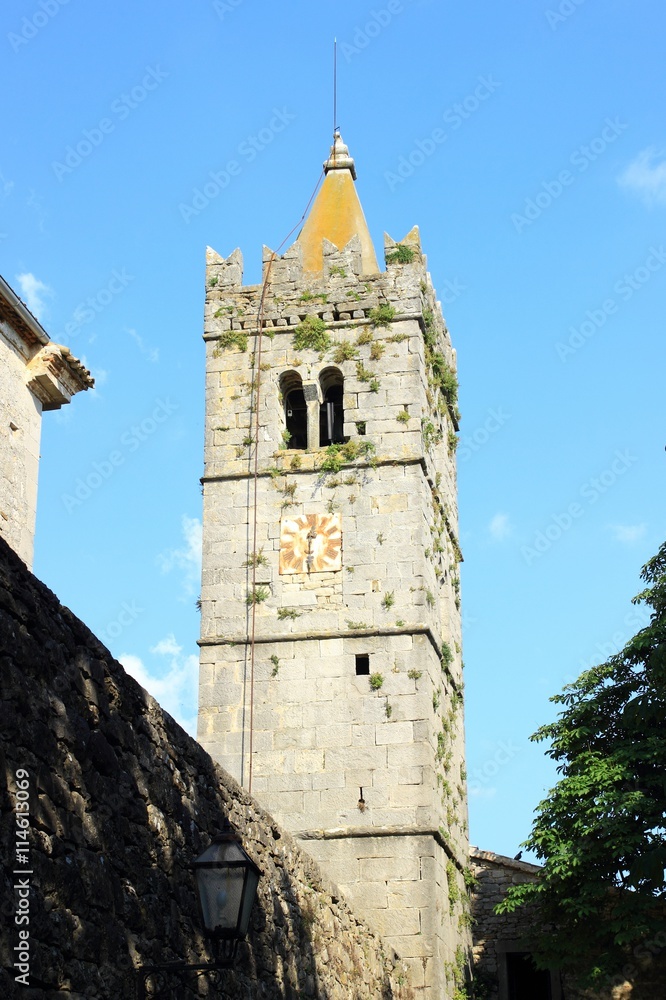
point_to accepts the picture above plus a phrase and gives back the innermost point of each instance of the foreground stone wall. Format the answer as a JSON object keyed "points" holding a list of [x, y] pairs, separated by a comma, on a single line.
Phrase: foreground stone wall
{"points": [[642, 978], [121, 801]]}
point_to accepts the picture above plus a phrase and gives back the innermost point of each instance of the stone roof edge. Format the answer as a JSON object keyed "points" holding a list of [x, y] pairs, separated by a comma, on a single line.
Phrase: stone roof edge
{"points": [[27, 322], [501, 859], [76, 368], [31, 330]]}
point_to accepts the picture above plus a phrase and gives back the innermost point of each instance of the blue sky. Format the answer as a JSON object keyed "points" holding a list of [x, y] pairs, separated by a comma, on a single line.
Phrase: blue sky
{"points": [[528, 142]]}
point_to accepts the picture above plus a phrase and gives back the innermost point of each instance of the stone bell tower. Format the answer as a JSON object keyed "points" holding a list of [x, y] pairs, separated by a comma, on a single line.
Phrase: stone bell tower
{"points": [[330, 680]]}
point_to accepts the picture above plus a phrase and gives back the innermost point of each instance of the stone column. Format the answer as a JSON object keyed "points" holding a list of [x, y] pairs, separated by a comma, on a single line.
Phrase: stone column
{"points": [[313, 400]]}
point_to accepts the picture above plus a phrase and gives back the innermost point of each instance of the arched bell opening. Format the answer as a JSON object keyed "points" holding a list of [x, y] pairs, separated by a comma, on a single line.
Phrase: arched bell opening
{"points": [[331, 412], [295, 411]]}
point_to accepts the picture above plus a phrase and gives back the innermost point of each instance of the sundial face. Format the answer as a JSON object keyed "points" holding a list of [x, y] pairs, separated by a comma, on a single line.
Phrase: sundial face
{"points": [[311, 543]]}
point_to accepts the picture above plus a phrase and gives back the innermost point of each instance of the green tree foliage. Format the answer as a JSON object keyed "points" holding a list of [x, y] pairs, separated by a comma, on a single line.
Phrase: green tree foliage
{"points": [[601, 831]]}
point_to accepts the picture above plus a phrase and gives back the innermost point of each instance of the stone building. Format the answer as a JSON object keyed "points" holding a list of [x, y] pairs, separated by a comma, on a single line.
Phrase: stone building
{"points": [[330, 682], [503, 968], [501, 957], [35, 375]]}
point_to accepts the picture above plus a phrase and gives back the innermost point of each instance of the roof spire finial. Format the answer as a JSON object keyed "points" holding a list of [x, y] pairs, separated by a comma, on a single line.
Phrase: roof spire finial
{"points": [[339, 158]]}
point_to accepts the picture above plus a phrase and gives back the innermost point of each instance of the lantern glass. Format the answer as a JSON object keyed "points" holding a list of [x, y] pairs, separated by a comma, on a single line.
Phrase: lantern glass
{"points": [[227, 881]]}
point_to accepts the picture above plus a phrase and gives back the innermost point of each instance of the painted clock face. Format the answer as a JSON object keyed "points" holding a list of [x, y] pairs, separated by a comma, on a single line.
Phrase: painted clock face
{"points": [[311, 543]]}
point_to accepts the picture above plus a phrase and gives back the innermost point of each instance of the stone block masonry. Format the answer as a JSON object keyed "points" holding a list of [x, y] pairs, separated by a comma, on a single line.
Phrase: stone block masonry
{"points": [[330, 596], [121, 800], [643, 977], [35, 375]]}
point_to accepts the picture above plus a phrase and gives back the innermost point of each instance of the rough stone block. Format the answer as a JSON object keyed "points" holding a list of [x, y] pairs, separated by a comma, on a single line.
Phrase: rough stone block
{"points": [[334, 736], [394, 920], [394, 732]]}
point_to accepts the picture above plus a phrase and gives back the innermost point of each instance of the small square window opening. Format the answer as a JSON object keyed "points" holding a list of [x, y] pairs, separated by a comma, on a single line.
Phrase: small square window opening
{"points": [[362, 664]]}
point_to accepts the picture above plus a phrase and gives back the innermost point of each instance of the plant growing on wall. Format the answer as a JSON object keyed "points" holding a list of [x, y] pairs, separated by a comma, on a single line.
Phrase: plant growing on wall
{"points": [[257, 596], [256, 559], [337, 455], [456, 590], [363, 374], [452, 883], [431, 436], [344, 351], [311, 334], [231, 338], [376, 681], [291, 613], [381, 315], [400, 255], [365, 337]]}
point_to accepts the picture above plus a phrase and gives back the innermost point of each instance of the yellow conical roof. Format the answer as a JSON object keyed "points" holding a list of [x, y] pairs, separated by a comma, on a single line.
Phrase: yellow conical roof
{"points": [[336, 215]]}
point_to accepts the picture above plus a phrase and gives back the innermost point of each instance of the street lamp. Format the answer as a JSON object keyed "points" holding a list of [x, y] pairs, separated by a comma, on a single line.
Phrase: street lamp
{"points": [[227, 881]]}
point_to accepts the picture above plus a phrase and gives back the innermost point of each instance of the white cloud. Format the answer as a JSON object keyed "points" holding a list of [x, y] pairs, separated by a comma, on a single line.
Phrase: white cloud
{"points": [[627, 533], [499, 527], [646, 176], [5, 185], [33, 291], [187, 559], [151, 354], [475, 791], [167, 646], [174, 687]]}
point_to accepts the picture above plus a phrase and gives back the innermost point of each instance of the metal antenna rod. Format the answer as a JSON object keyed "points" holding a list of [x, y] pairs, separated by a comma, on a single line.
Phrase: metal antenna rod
{"points": [[335, 85]]}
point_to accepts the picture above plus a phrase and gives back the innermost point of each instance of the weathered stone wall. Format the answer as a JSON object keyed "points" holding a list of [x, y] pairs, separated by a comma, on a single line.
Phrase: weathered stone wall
{"points": [[20, 429], [642, 978], [35, 375], [121, 801], [404, 883], [370, 778], [493, 875]]}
